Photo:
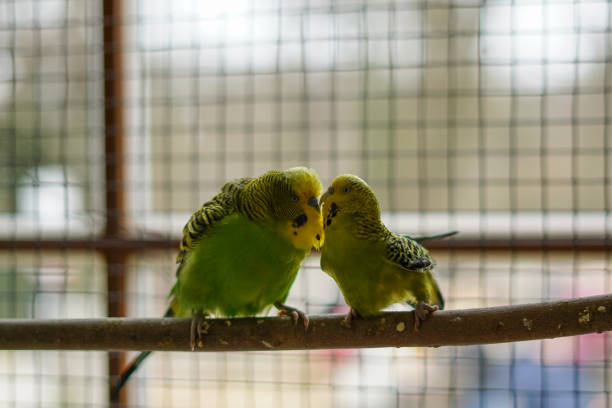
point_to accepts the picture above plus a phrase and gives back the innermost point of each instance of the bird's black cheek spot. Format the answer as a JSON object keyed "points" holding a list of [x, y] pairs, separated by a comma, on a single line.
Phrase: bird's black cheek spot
{"points": [[334, 210], [300, 220], [318, 237], [294, 232]]}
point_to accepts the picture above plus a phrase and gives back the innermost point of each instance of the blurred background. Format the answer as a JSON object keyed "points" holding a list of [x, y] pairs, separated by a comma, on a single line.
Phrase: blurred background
{"points": [[118, 119]]}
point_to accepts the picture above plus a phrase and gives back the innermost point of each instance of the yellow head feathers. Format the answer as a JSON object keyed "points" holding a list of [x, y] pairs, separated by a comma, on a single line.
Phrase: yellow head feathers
{"points": [[306, 229], [304, 180], [348, 194], [287, 197]]}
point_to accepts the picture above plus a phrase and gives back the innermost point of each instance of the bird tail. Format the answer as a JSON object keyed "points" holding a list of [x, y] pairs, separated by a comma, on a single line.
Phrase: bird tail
{"points": [[425, 238], [136, 362]]}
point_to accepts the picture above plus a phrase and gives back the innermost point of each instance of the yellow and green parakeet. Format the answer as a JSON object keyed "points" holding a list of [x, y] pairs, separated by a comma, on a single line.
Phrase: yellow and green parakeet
{"points": [[241, 251], [373, 267]]}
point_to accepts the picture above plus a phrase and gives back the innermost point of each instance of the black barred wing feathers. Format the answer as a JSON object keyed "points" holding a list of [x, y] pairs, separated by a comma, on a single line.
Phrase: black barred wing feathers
{"points": [[221, 205], [407, 253]]}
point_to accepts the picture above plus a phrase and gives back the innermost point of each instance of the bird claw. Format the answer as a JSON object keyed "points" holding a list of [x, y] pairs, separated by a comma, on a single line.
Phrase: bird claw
{"points": [[350, 316], [295, 314], [291, 313], [422, 311], [199, 327]]}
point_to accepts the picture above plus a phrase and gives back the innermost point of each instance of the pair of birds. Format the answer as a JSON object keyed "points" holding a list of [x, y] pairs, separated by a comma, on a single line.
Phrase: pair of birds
{"points": [[241, 252]]}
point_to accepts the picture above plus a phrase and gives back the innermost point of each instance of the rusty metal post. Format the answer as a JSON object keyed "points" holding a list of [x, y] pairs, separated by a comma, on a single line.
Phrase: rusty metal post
{"points": [[114, 170]]}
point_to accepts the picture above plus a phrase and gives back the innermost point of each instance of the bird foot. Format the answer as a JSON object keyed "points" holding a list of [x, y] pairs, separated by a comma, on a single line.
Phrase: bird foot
{"points": [[295, 314], [422, 311], [199, 327], [350, 316]]}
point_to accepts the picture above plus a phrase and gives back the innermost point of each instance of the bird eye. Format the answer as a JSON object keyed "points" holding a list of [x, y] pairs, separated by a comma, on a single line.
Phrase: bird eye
{"points": [[346, 189], [295, 198]]}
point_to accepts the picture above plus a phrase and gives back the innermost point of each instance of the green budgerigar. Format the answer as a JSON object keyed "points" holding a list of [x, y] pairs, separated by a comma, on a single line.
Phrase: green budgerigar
{"points": [[373, 266], [241, 251]]}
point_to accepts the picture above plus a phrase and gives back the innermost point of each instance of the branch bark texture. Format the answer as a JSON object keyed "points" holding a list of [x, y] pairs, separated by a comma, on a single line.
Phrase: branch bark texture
{"points": [[394, 329]]}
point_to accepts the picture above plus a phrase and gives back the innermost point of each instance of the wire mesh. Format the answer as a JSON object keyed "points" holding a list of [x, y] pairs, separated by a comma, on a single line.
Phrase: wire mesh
{"points": [[488, 117]]}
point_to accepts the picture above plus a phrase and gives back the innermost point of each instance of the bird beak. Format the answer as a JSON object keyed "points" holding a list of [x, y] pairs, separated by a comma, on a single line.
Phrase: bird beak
{"points": [[314, 203], [325, 196]]}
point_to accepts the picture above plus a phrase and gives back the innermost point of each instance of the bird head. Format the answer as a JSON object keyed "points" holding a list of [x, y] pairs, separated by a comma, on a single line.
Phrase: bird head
{"points": [[290, 197], [349, 195]]}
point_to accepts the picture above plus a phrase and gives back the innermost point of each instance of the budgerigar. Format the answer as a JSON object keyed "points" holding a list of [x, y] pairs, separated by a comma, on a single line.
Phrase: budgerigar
{"points": [[373, 267], [241, 251]]}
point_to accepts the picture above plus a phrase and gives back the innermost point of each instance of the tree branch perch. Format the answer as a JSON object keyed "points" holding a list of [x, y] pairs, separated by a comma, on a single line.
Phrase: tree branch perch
{"points": [[394, 329]]}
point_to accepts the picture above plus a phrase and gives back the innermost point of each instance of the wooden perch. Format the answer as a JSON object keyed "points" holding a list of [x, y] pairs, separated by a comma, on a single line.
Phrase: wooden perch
{"points": [[395, 329]]}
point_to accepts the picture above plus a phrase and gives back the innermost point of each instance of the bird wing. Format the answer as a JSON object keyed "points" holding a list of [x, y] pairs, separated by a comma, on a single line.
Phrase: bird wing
{"points": [[407, 253], [201, 221]]}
